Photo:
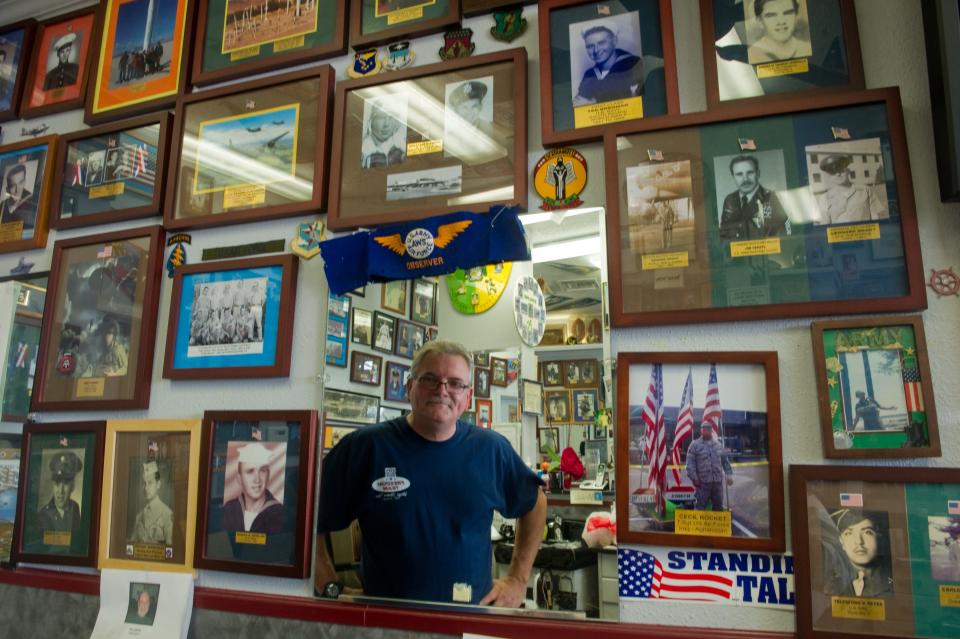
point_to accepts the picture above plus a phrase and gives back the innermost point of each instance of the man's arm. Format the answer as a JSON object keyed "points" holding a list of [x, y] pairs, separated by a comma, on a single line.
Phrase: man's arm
{"points": [[509, 591], [692, 472]]}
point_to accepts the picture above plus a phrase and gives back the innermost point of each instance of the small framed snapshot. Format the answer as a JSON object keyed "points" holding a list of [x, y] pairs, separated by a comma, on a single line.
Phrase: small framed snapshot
{"points": [[361, 326], [256, 492], [410, 337], [423, 302], [585, 405], [767, 49], [27, 169], [22, 344], [390, 164], [879, 551], [702, 478], [603, 63], [99, 324], [532, 403], [365, 368], [384, 332], [761, 210], [874, 388], [558, 407], [552, 373], [232, 319], [228, 45], [336, 347], [251, 151], [553, 337], [395, 382], [333, 433], [498, 371], [111, 173], [141, 61], [481, 358], [16, 43], [59, 63], [355, 408], [148, 510], [393, 296], [481, 382], [58, 518], [548, 441], [484, 410], [469, 417], [376, 22], [387, 413], [338, 306]]}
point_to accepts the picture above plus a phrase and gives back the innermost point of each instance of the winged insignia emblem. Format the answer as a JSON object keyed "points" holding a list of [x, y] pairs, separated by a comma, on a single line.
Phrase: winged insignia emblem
{"points": [[446, 233]]}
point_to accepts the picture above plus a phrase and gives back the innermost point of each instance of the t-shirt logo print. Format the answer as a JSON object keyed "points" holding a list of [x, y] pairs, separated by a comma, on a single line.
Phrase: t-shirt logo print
{"points": [[390, 486]]}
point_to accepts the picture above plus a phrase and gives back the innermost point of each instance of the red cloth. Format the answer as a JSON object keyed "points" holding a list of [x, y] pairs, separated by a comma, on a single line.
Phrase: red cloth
{"points": [[570, 463]]}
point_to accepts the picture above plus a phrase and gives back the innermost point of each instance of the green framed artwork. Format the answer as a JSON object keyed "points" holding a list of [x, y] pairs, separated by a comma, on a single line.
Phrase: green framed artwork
{"points": [[874, 388], [22, 346], [375, 22]]}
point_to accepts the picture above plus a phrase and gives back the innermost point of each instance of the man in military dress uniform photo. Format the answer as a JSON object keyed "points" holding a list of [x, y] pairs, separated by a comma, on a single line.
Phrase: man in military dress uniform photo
{"points": [[62, 514], [65, 73], [154, 524]]}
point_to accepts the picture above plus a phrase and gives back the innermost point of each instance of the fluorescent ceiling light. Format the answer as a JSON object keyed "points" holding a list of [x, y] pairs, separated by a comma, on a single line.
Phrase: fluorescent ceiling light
{"points": [[567, 249]]}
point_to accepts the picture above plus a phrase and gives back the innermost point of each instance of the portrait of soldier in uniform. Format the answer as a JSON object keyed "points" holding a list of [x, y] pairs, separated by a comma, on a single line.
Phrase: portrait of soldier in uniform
{"points": [[862, 567], [605, 61], [154, 522], [256, 509], [62, 513], [66, 70]]}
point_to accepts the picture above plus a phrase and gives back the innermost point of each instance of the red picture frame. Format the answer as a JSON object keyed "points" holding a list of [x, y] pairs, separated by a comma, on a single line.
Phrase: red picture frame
{"points": [[29, 28]]}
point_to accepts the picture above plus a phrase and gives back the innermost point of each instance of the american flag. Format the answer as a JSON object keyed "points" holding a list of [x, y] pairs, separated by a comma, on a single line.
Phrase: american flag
{"points": [[747, 144], [23, 350], [140, 161], [911, 388], [77, 173], [642, 575], [152, 447], [106, 252], [655, 154], [255, 433], [655, 444], [684, 426], [63, 441], [711, 406], [953, 507], [851, 500], [840, 133]]}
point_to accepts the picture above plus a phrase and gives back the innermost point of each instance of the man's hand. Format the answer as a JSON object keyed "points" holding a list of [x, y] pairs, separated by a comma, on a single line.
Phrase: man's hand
{"points": [[506, 593]]}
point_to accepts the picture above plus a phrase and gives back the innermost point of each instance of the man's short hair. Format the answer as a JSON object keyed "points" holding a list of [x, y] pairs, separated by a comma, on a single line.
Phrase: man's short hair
{"points": [[759, 4], [17, 168], [745, 158], [600, 28], [846, 517], [442, 347]]}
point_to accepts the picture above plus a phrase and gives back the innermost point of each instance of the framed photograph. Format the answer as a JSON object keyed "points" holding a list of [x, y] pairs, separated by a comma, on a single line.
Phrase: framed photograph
{"points": [[393, 296], [498, 371], [58, 505], [97, 339], [388, 412], [585, 405], [256, 492], [469, 417], [709, 477], [484, 410], [365, 368], [391, 163], [361, 326], [111, 173], [333, 433], [229, 46], [552, 373], [941, 33], [410, 337], [22, 345], [338, 306], [602, 63], [336, 347], [532, 403], [141, 61], [874, 388], [423, 302], [548, 441], [232, 318], [553, 337], [481, 382], [27, 170], [558, 407], [257, 151], [10, 448], [355, 408], [376, 22], [16, 43], [395, 382], [481, 358], [148, 511], [759, 48], [878, 551], [599, 448], [384, 332], [760, 210]]}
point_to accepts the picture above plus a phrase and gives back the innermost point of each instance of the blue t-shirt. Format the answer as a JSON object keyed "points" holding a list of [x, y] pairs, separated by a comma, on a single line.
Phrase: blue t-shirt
{"points": [[424, 507]]}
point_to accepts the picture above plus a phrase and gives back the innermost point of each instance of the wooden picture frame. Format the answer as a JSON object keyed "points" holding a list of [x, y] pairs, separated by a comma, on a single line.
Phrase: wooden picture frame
{"points": [[551, 373], [548, 439], [278, 541], [132, 155], [666, 506], [366, 368], [130, 83], [59, 453], [361, 326], [369, 27], [472, 8], [35, 160], [16, 42], [410, 337], [333, 433], [393, 296], [824, 59], [338, 330], [558, 407], [569, 115], [790, 250], [20, 347], [481, 358], [395, 382], [286, 116], [553, 337], [862, 364], [66, 87], [532, 403], [910, 518], [260, 294], [942, 37], [423, 301], [346, 406], [481, 382], [585, 403], [61, 381], [484, 412], [384, 332], [216, 59], [149, 462], [498, 372], [580, 373], [441, 163]]}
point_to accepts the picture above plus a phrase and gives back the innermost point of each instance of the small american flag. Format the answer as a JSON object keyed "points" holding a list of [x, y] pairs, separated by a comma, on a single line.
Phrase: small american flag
{"points": [[642, 575], [655, 155], [106, 252], [63, 441], [911, 388], [684, 426], [140, 162], [23, 350], [603, 9], [851, 500], [77, 173], [153, 447], [747, 144], [839, 133], [255, 433], [953, 507]]}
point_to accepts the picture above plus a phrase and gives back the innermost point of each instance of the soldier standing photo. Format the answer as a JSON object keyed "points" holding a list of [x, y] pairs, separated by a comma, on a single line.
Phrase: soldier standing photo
{"points": [[706, 465]]}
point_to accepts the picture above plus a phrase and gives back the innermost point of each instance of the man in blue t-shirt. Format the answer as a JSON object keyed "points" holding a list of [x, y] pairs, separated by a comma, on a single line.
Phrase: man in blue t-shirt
{"points": [[424, 488]]}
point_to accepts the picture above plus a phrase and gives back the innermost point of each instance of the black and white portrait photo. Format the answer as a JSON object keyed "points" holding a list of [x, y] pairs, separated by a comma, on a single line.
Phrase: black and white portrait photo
{"points": [[605, 59], [848, 181], [20, 193], [384, 132], [776, 30], [227, 317], [118, 164], [660, 205], [856, 554], [468, 131], [746, 187], [95, 162]]}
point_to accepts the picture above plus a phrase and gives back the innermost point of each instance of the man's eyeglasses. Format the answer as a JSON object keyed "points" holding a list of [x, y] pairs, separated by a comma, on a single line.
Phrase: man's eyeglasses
{"points": [[432, 383]]}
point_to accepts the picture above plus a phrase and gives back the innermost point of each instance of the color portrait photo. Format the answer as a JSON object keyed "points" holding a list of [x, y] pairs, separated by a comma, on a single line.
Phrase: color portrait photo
{"points": [[142, 609]]}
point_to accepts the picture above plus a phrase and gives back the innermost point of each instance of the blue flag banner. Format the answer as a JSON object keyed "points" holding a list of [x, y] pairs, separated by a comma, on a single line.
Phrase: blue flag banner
{"points": [[432, 246]]}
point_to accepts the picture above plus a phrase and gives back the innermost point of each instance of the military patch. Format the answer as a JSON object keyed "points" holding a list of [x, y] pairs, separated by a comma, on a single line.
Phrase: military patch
{"points": [[399, 56], [559, 177], [366, 62], [307, 242], [510, 24], [457, 44], [178, 256]]}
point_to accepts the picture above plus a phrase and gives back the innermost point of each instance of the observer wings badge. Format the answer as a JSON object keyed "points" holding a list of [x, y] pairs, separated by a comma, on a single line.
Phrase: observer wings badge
{"points": [[420, 243], [307, 242], [178, 256]]}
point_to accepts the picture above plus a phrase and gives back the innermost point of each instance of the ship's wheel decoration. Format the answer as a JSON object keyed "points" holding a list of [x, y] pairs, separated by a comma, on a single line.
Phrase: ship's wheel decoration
{"points": [[944, 282]]}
